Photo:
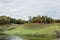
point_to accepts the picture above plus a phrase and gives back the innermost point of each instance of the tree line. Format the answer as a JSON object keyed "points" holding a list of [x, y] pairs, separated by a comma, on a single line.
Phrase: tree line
{"points": [[9, 20], [36, 19], [43, 19]]}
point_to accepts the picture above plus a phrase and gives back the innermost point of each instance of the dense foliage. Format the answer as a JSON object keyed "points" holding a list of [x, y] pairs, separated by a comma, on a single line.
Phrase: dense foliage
{"points": [[36, 19], [43, 19], [8, 20]]}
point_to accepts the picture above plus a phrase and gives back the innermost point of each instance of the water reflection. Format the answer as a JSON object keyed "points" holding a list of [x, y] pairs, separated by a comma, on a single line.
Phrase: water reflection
{"points": [[8, 37], [16, 38]]}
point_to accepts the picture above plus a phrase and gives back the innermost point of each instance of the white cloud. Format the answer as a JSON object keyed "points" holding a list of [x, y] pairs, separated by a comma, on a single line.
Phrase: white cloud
{"points": [[24, 8]]}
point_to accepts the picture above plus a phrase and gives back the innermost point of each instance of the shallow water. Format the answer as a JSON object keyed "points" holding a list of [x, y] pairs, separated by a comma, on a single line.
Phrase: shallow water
{"points": [[7, 37]]}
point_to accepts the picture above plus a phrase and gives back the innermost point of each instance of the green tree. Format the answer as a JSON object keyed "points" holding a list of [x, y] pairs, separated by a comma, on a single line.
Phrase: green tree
{"points": [[29, 19], [5, 20], [42, 19]]}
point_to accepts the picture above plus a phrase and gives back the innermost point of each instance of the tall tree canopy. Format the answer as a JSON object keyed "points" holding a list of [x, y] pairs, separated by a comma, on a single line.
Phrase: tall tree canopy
{"points": [[42, 19], [8, 20], [36, 19]]}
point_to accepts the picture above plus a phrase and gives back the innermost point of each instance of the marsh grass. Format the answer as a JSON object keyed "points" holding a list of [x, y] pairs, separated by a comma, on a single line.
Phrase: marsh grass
{"points": [[34, 28]]}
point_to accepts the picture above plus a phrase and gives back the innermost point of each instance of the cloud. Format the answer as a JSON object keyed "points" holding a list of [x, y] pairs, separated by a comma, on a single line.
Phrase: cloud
{"points": [[24, 8]]}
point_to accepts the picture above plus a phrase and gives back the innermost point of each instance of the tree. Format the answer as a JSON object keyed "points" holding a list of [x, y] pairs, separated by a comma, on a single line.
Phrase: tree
{"points": [[29, 19], [20, 21], [57, 21], [49, 20], [42, 19], [5, 20]]}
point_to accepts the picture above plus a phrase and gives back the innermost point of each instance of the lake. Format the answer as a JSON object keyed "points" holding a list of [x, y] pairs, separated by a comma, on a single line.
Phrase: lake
{"points": [[8, 37]]}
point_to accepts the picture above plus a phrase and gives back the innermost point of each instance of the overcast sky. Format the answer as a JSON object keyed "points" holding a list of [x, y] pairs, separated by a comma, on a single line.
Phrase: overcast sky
{"points": [[24, 8]]}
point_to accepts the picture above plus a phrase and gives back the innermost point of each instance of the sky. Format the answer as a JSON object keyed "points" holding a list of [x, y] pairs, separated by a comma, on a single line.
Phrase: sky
{"points": [[22, 9]]}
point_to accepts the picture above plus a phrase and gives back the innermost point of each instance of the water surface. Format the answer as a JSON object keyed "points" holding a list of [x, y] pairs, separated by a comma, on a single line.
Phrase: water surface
{"points": [[8, 37]]}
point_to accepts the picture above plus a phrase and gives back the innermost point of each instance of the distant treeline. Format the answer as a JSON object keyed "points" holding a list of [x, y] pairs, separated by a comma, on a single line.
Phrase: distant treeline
{"points": [[37, 19], [43, 19], [8, 20]]}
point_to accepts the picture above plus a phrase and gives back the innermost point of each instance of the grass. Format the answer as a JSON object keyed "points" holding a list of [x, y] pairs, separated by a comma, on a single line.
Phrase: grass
{"points": [[8, 26], [34, 28], [38, 38]]}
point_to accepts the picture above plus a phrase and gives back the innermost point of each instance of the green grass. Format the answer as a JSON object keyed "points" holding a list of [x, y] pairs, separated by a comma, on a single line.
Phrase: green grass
{"points": [[38, 38], [35, 29], [6, 26]]}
